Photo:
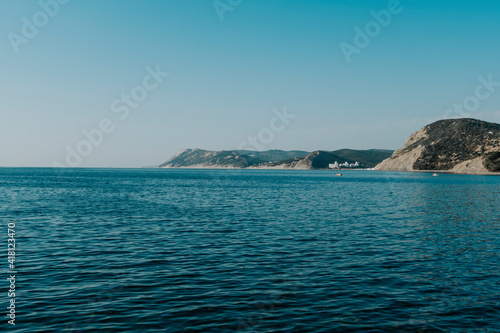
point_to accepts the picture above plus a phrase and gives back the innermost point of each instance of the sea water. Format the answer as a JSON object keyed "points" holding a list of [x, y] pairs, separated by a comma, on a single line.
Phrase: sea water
{"points": [[157, 250]]}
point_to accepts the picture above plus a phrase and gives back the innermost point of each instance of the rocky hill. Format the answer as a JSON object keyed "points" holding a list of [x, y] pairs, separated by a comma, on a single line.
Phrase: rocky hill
{"points": [[468, 146], [198, 158], [273, 159]]}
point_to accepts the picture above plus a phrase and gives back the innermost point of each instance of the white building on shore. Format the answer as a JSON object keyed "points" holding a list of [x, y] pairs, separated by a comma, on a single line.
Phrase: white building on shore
{"points": [[336, 165]]}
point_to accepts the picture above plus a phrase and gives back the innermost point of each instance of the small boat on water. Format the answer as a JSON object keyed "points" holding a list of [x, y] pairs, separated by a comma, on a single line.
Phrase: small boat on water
{"points": [[338, 174], [434, 175]]}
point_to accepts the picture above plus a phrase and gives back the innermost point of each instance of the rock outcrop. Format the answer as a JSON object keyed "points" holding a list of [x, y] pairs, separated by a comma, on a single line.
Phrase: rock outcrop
{"points": [[468, 146]]}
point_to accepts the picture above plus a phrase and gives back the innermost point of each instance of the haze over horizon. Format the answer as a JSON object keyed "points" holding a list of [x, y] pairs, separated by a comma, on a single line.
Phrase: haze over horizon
{"points": [[140, 81]]}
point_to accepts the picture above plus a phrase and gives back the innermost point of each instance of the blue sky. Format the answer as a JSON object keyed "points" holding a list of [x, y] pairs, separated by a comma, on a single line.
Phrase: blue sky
{"points": [[227, 76]]}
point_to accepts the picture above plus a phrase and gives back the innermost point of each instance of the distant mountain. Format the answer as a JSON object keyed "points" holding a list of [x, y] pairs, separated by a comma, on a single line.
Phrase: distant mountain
{"points": [[273, 155], [321, 159], [199, 158], [274, 159], [457, 145]]}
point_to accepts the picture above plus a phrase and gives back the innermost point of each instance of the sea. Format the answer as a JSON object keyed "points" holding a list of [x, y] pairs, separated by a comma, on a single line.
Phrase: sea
{"points": [[185, 250]]}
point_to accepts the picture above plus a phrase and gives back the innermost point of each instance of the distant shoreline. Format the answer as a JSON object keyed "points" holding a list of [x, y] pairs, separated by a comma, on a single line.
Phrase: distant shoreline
{"points": [[61, 169], [332, 170]]}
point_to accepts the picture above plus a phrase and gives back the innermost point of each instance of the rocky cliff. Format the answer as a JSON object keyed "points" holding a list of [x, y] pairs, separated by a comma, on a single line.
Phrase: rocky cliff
{"points": [[468, 146]]}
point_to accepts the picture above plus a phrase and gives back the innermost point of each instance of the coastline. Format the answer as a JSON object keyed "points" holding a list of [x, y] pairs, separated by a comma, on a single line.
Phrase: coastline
{"points": [[449, 172]]}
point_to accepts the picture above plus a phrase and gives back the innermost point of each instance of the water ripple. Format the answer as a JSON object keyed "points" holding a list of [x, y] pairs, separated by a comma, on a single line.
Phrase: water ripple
{"points": [[103, 250]]}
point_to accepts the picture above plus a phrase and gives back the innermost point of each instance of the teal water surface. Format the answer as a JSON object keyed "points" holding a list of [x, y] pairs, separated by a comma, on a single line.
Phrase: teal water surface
{"points": [[152, 250]]}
